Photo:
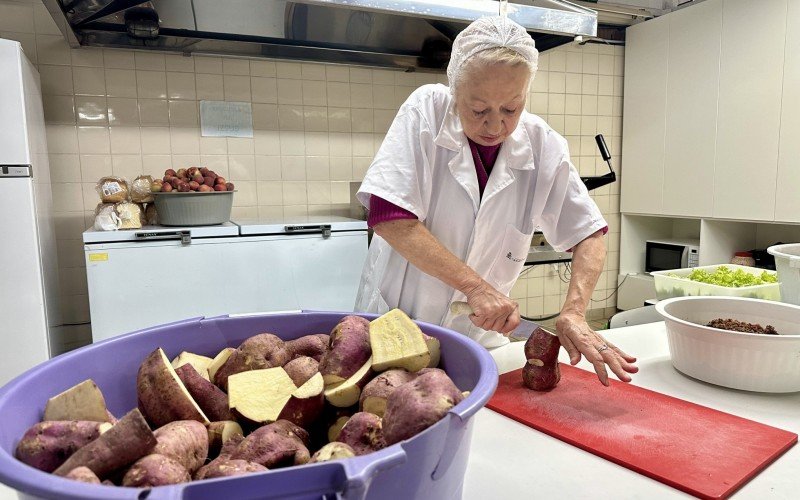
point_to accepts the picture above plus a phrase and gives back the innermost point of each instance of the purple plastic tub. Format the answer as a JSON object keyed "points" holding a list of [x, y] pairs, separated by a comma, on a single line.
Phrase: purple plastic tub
{"points": [[429, 465]]}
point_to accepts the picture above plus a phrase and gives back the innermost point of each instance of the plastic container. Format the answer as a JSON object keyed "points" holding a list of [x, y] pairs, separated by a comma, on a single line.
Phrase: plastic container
{"points": [[429, 465], [743, 259], [669, 286], [193, 209], [787, 263], [745, 361]]}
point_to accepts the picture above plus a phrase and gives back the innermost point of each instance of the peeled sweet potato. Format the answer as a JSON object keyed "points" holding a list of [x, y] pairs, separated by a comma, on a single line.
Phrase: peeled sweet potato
{"points": [[185, 441], [313, 346], [84, 475], [162, 396], [332, 451], [363, 432], [416, 405], [377, 391], [208, 396], [541, 372], [155, 470], [49, 444], [275, 445], [349, 350], [301, 368], [127, 441]]}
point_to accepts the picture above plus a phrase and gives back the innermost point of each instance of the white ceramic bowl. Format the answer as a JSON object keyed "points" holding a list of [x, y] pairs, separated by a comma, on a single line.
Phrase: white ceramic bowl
{"points": [[746, 361]]}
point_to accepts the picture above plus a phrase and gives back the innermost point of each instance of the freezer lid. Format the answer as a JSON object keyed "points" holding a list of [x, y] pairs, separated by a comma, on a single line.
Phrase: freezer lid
{"points": [[150, 233], [299, 225]]}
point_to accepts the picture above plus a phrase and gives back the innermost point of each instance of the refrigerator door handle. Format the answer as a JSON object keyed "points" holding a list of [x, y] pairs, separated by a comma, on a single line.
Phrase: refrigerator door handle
{"points": [[325, 229], [16, 171], [184, 236]]}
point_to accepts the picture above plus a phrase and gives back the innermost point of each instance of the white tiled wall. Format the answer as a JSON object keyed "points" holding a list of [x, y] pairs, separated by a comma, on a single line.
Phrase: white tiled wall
{"points": [[316, 129]]}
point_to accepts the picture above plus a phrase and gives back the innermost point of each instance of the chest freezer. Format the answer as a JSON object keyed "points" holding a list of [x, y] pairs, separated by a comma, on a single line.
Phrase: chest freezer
{"points": [[156, 275]]}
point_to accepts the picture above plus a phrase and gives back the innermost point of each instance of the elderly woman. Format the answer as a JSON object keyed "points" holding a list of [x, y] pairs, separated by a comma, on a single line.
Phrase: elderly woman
{"points": [[462, 180]]}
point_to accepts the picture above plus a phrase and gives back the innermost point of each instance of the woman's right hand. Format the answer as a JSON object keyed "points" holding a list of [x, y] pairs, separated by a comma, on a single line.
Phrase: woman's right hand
{"points": [[492, 310]]}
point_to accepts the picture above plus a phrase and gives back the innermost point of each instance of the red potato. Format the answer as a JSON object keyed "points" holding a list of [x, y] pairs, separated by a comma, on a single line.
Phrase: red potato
{"points": [[220, 180], [47, 445], [166, 187], [205, 189], [174, 182], [349, 350], [397, 342], [377, 391], [194, 186], [541, 372], [220, 187], [170, 173], [127, 441], [84, 475], [279, 444], [183, 187], [347, 393], [301, 369], [181, 172], [208, 396], [204, 170], [83, 401], [192, 171], [416, 405], [313, 346], [162, 396], [155, 470], [306, 403], [332, 451], [363, 432], [208, 181], [184, 441], [220, 433]]}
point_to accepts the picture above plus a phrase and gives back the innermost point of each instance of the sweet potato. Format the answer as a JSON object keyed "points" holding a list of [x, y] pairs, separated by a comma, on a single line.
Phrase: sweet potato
{"points": [[344, 394], [218, 361], [301, 368], [220, 433], [397, 342], [373, 397], [208, 396], [185, 441], [416, 405], [349, 350], [83, 401], [127, 441], [363, 433], [305, 403], [200, 363], [155, 470], [332, 451], [258, 352], [336, 428], [49, 444], [258, 396], [434, 348], [162, 396], [227, 468], [541, 372], [313, 346], [84, 475], [275, 445]]}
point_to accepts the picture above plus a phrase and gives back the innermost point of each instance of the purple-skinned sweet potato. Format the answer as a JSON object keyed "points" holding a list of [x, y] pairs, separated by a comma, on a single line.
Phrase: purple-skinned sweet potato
{"points": [[208, 396], [155, 470], [349, 350], [301, 369], [541, 372], [377, 391], [363, 432], [313, 346], [258, 352], [49, 444], [84, 475], [185, 441], [275, 445]]}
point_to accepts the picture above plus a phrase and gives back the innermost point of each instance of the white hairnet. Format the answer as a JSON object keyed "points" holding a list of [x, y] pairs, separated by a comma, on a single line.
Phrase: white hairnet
{"points": [[488, 33]]}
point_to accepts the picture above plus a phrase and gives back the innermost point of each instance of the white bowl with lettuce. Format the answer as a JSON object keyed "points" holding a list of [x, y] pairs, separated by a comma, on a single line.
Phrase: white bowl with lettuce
{"points": [[728, 280]]}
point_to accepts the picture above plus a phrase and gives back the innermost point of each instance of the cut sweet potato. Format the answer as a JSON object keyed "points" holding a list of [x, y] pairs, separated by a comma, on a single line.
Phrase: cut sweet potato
{"points": [[162, 396], [376, 392], [185, 441], [49, 444], [200, 363], [278, 444], [434, 348], [301, 369], [541, 372], [258, 352], [336, 428], [84, 475], [260, 395], [363, 432], [313, 346], [306, 403], [349, 350], [218, 361], [332, 451], [80, 402], [397, 342], [208, 396], [127, 441], [346, 393], [155, 470], [220, 433], [416, 405]]}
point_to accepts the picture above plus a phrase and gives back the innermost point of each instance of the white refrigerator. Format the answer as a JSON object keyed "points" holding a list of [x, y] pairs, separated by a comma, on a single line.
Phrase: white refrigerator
{"points": [[29, 309]]}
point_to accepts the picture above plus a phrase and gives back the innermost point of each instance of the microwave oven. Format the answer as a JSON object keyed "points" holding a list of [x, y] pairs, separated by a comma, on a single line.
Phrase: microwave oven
{"points": [[663, 255]]}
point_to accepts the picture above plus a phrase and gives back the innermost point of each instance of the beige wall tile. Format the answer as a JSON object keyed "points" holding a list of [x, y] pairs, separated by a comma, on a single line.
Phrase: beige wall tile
{"points": [[153, 112], [87, 56], [289, 92], [155, 140], [339, 120], [293, 168], [181, 63], [125, 140], [318, 169], [268, 168], [120, 82], [119, 59], [17, 16], [270, 193], [362, 120], [122, 111], [62, 139], [89, 81], [64, 168], [213, 145], [289, 70], [241, 168], [264, 90], [67, 197], [383, 97], [93, 140], [127, 166], [155, 165], [149, 61], [237, 88], [241, 146], [315, 118], [263, 68], [52, 49], [151, 84], [294, 193], [337, 73], [93, 167], [185, 141], [232, 66], [313, 71], [181, 86], [208, 65], [91, 110], [59, 109], [265, 116], [341, 168], [184, 114], [56, 80], [209, 87], [290, 117], [267, 143], [360, 95], [314, 93]]}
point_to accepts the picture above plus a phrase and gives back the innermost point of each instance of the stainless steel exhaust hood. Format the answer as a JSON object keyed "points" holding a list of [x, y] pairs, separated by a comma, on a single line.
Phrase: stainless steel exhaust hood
{"points": [[411, 34]]}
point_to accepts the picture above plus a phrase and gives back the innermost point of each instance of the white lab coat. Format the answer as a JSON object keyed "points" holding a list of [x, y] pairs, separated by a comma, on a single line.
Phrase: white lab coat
{"points": [[426, 167]]}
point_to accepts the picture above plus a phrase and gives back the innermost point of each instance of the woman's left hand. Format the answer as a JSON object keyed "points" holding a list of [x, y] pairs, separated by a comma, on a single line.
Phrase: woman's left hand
{"points": [[578, 338]]}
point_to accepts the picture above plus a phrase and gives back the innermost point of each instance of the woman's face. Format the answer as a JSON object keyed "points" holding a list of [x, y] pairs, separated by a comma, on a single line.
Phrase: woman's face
{"points": [[490, 100]]}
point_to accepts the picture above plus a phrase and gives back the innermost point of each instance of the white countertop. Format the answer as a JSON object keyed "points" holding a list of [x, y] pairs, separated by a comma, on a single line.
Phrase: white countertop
{"points": [[511, 460]]}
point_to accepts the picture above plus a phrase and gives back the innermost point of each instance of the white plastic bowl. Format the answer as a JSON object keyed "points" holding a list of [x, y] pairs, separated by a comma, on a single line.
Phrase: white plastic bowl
{"points": [[746, 361]]}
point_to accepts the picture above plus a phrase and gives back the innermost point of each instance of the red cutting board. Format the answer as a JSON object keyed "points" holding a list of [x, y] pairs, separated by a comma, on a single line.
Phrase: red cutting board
{"points": [[701, 451]]}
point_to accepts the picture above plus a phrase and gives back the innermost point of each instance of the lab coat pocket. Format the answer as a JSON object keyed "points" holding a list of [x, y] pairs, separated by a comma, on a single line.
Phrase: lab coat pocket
{"points": [[510, 258]]}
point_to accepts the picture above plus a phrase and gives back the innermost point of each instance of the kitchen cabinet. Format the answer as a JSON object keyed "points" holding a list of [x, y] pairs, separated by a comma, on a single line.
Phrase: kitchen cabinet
{"points": [[749, 116], [644, 118], [691, 109], [787, 197]]}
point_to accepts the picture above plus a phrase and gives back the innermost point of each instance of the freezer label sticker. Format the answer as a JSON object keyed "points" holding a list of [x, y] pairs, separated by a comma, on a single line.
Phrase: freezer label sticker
{"points": [[98, 257]]}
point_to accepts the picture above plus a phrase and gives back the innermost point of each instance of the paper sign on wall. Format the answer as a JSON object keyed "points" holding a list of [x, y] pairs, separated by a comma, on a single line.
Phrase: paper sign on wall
{"points": [[226, 119]]}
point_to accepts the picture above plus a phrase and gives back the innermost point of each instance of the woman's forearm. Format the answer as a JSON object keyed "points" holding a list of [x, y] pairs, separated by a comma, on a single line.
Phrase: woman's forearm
{"points": [[587, 264], [411, 239]]}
